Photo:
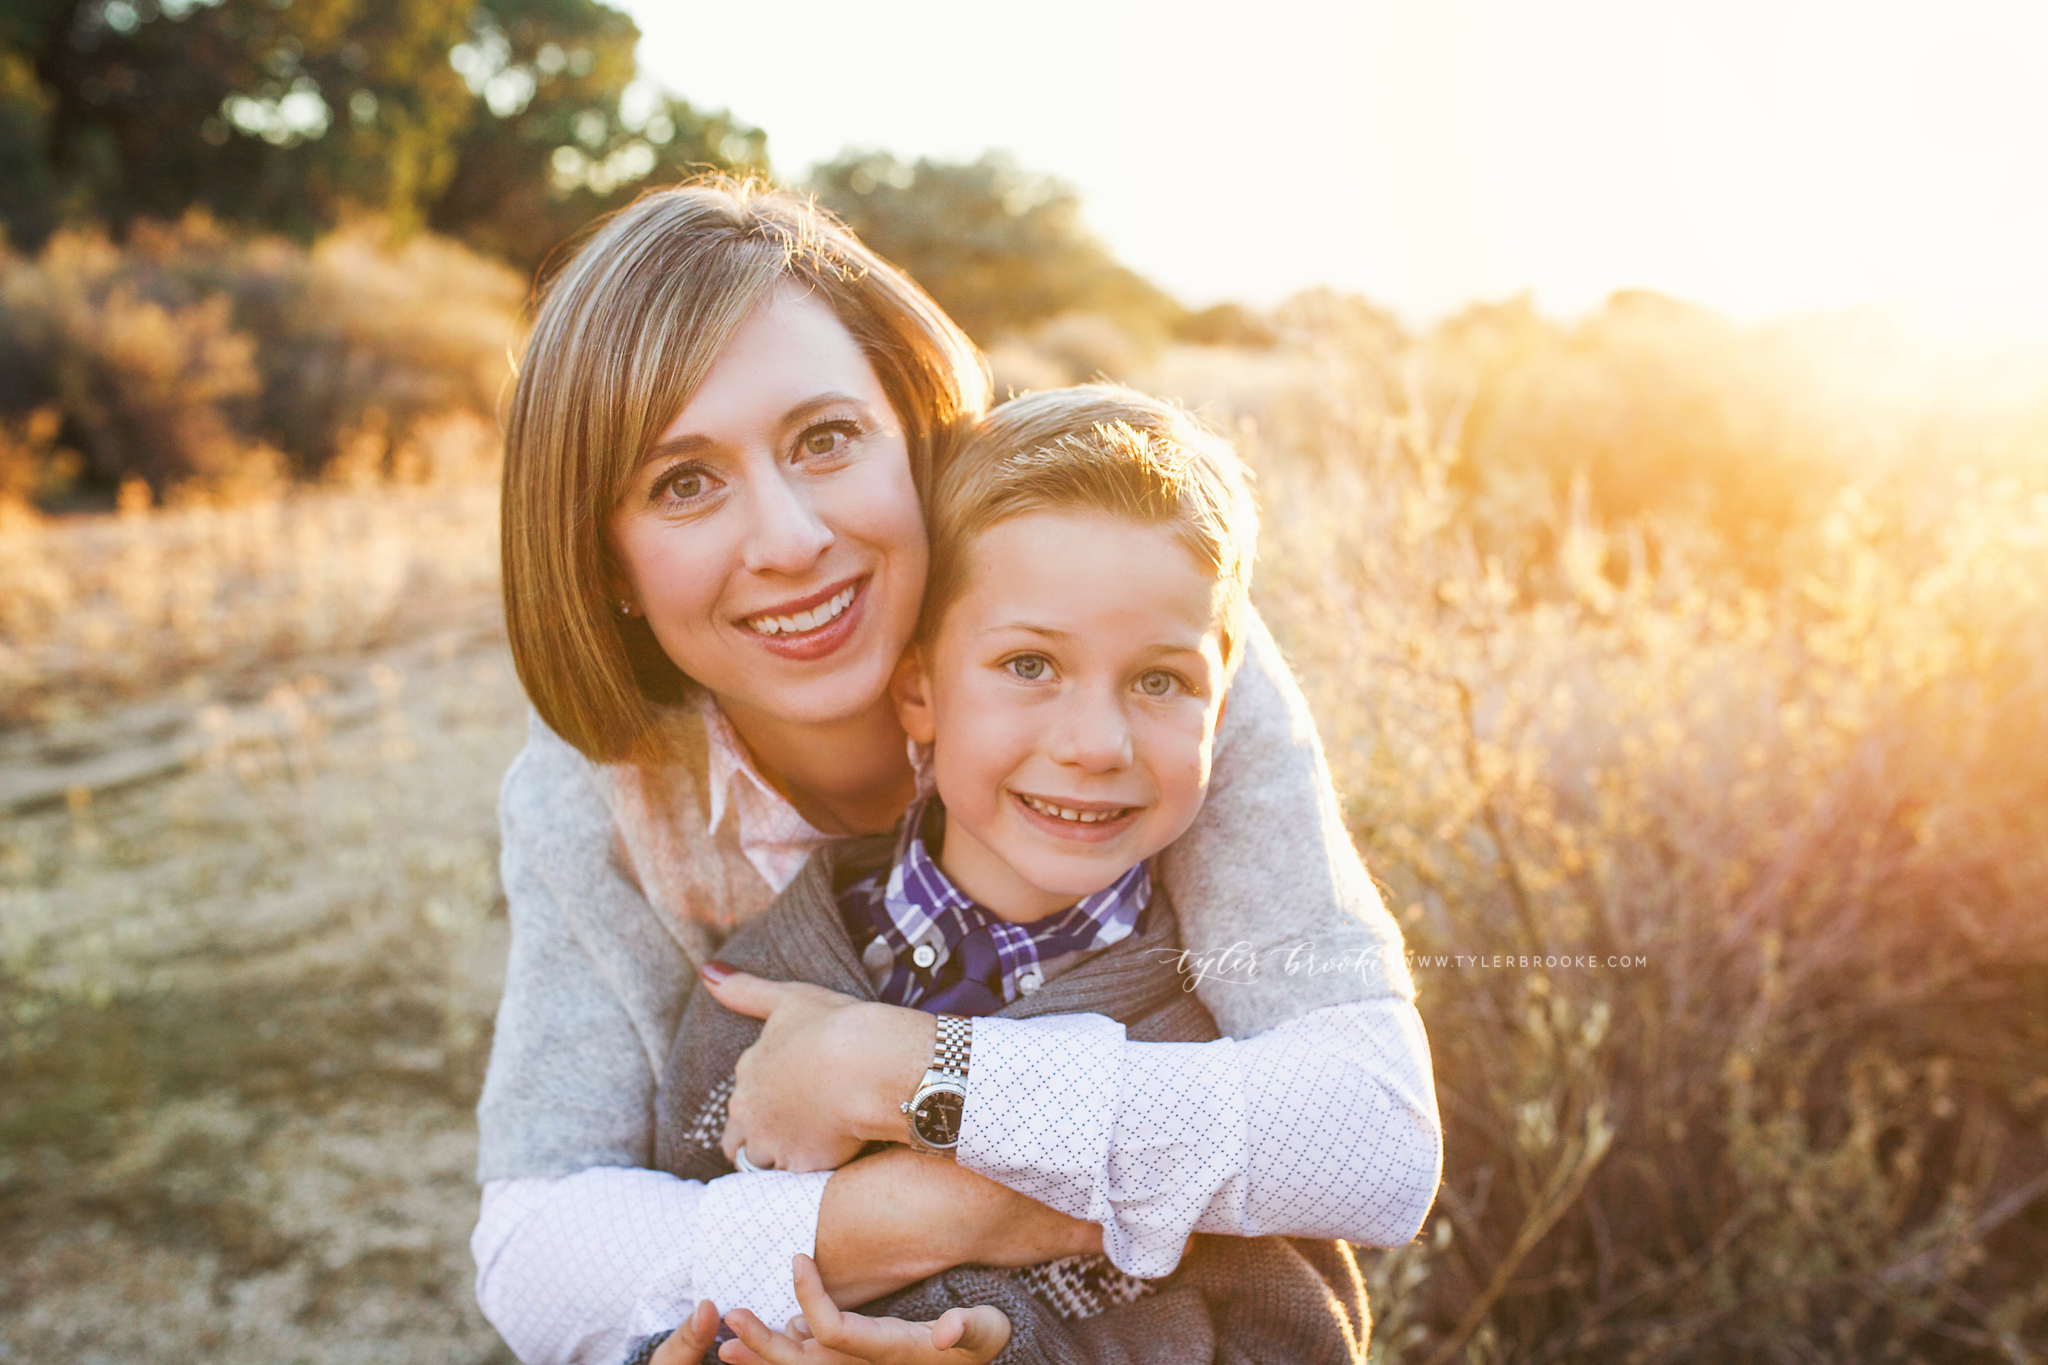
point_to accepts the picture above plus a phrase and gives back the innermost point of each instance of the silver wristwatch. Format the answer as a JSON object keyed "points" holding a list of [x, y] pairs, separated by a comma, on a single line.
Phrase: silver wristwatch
{"points": [[934, 1111]]}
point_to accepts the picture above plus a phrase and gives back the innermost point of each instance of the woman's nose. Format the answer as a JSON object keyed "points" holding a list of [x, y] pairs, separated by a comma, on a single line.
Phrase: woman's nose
{"points": [[1092, 734], [788, 533]]}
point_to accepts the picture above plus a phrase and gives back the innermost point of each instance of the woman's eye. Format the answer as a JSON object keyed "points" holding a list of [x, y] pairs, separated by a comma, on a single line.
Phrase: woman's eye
{"points": [[1158, 683], [1029, 667], [685, 484], [824, 440]]}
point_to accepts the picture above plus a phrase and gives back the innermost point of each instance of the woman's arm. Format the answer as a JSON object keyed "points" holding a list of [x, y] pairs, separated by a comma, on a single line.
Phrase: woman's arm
{"points": [[1268, 889], [1324, 1126], [574, 1268]]}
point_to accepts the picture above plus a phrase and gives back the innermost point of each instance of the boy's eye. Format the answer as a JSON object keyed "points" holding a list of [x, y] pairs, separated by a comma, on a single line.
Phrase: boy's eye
{"points": [[1158, 683], [1029, 667]]}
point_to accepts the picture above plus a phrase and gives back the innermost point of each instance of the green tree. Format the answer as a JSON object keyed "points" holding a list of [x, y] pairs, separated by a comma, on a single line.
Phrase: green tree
{"points": [[999, 247], [565, 132], [508, 122]]}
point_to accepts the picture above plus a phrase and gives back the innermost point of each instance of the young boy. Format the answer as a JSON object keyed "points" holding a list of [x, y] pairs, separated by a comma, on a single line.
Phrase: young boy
{"points": [[1091, 554]]}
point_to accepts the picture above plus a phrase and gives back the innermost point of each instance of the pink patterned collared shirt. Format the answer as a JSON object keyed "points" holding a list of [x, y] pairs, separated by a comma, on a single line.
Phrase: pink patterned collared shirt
{"points": [[772, 835]]}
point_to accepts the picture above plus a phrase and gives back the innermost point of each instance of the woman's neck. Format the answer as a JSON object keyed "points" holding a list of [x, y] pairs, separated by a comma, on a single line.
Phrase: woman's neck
{"points": [[848, 776]]}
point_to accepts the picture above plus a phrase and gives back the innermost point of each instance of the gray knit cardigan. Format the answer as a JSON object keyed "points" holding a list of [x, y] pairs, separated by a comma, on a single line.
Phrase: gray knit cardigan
{"points": [[598, 977]]}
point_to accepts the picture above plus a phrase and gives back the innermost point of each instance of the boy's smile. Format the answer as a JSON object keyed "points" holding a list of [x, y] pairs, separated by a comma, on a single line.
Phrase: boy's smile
{"points": [[1071, 698]]}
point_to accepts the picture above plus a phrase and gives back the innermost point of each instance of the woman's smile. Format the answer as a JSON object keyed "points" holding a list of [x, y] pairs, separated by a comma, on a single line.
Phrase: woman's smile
{"points": [[811, 627]]}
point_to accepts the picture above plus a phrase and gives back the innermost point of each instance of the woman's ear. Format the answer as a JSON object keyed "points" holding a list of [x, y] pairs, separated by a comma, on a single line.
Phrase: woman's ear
{"points": [[620, 598], [910, 690]]}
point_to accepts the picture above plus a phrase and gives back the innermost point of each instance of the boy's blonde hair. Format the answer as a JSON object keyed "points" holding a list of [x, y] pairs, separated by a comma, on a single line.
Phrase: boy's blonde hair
{"points": [[625, 334], [1095, 448]]}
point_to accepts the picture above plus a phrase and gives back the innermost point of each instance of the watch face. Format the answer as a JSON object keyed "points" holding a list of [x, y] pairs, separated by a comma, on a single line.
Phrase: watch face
{"points": [[937, 1118]]}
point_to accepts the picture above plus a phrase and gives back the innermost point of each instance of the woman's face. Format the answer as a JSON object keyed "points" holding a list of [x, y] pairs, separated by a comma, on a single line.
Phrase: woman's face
{"points": [[772, 537]]}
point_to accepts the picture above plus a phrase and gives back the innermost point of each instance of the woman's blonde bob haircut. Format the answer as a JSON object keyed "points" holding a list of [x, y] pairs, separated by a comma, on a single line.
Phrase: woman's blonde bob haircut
{"points": [[623, 337]]}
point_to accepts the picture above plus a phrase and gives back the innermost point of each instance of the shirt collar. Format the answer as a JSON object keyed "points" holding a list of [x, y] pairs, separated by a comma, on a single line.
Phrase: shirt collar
{"points": [[772, 834], [921, 906]]}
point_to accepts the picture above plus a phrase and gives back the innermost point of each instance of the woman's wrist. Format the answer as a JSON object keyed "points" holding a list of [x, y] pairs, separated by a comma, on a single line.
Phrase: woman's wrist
{"points": [[884, 1051]]}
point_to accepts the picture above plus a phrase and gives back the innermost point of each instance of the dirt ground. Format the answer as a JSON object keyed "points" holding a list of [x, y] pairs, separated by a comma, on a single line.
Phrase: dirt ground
{"points": [[250, 943]]}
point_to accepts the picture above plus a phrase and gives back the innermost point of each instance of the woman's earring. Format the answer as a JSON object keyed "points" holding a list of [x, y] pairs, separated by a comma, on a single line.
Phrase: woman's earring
{"points": [[625, 608]]}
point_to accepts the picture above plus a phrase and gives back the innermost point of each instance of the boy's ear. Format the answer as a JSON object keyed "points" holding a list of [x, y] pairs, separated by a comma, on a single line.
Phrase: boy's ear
{"points": [[910, 690]]}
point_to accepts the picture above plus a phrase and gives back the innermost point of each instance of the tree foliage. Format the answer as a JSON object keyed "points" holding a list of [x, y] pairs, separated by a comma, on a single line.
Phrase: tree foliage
{"points": [[1001, 248], [508, 123]]}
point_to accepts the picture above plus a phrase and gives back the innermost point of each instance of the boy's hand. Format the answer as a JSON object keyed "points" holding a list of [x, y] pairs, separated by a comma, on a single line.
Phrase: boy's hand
{"points": [[826, 1336], [826, 1075], [688, 1343]]}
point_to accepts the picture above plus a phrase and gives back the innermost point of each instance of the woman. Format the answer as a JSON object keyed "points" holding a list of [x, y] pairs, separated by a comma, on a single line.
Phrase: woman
{"points": [[713, 559]]}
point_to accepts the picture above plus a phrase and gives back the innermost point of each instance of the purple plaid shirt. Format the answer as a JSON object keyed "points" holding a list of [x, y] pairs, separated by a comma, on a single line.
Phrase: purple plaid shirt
{"points": [[948, 955]]}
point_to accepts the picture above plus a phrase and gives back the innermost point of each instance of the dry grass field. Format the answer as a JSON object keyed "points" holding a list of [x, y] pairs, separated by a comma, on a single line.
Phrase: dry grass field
{"points": [[1724, 881], [250, 940]]}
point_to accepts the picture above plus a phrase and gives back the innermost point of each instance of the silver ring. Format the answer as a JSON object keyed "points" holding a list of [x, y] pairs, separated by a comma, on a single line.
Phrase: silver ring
{"points": [[739, 1159]]}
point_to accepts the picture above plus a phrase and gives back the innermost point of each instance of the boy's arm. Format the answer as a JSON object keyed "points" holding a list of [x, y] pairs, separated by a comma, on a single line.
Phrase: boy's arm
{"points": [[1266, 874]]}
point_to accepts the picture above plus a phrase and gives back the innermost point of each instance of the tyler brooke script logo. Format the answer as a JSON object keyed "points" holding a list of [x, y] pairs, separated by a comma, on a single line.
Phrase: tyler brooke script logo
{"points": [[1240, 962]]}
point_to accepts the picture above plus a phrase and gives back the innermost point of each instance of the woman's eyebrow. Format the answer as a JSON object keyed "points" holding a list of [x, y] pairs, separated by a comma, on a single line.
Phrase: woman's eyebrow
{"points": [[822, 401], [675, 445], [691, 442]]}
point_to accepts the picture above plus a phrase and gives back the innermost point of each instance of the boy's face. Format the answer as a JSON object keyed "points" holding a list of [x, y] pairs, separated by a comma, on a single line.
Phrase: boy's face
{"points": [[1071, 699]]}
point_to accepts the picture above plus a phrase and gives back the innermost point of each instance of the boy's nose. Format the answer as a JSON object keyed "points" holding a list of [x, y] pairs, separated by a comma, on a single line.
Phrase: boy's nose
{"points": [[787, 534], [1093, 735]]}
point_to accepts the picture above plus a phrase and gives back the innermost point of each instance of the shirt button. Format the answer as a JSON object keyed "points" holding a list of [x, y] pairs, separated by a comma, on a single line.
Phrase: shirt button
{"points": [[1030, 982], [876, 957], [924, 955]]}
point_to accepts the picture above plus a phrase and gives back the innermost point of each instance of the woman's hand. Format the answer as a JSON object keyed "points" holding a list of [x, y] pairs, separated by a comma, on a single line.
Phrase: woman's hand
{"points": [[826, 1336], [825, 1077]]}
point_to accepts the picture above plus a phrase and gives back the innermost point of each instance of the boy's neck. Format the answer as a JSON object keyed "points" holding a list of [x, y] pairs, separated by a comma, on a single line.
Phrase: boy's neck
{"points": [[992, 883], [849, 776]]}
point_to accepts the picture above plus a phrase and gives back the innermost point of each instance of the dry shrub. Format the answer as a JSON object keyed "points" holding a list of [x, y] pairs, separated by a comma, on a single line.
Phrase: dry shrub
{"points": [[1724, 900], [32, 465], [151, 379], [382, 346], [191, 355]]}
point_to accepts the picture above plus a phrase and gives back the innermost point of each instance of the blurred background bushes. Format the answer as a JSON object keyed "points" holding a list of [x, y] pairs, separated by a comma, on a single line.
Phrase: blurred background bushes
{"points": [[191, 356]]}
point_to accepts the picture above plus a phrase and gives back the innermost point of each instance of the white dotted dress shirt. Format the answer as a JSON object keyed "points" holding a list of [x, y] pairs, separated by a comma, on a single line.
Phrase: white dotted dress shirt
{"points": [[1324, 1126]]}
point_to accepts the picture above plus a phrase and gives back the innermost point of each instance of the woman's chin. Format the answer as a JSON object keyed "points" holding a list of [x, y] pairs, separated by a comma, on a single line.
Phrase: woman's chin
{"points": [[854, 687]]}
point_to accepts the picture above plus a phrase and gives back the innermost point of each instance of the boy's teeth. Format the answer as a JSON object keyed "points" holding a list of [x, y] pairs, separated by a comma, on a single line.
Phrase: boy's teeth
{"points": [[1080, 817], [804, 620]]}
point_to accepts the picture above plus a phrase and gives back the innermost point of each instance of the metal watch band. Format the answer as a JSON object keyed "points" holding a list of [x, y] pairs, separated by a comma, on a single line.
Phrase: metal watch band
{"points": [[955, 1041], [934, 1111]]}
